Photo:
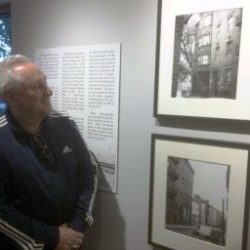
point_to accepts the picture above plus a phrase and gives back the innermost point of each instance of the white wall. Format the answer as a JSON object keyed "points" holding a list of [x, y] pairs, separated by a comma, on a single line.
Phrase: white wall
{"points": [[122, 219]]}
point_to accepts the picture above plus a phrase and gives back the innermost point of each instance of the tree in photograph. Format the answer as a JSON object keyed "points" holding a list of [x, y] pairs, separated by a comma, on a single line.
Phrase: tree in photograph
{"points": [[183, 53]]}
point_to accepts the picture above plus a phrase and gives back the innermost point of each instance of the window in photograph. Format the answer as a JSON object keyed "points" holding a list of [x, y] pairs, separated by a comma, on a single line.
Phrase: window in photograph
{"points": [[230, 23], [229, 48], [204, 40], [218, 32], [206, 21], [203, 60], [228, 75], [217, 51]]}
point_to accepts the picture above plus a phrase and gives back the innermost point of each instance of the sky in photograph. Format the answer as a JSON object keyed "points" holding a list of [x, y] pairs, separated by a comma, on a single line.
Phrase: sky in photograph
{"points": [[210, 182]]}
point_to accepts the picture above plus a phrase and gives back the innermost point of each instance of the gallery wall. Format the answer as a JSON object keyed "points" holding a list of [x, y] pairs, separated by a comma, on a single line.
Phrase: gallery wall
{"points": [[122, 218]]}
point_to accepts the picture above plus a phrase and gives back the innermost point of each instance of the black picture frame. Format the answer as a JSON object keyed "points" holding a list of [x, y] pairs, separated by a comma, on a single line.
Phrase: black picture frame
{"points": [[214, 82], [199, 193]]}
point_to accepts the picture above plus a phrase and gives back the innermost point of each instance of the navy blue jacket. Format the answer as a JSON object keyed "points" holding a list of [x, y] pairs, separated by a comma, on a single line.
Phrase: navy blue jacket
{"points": [[37, 197]]}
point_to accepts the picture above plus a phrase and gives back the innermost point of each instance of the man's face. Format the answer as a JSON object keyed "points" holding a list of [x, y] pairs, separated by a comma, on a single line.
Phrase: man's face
{"points": [[33, 96]]}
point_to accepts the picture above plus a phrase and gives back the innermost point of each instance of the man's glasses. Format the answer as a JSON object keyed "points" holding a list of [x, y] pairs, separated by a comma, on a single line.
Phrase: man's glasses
{"points": [[38, 145]]}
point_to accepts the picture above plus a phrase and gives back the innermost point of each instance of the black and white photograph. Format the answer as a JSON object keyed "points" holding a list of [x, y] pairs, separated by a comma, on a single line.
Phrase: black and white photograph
{"points": [[194, 207], [198, 193], [206, 54], [203, 53]]}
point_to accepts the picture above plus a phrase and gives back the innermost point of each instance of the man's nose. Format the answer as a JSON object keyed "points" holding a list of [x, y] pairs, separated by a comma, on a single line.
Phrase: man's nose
{"points": [[49, 91]]}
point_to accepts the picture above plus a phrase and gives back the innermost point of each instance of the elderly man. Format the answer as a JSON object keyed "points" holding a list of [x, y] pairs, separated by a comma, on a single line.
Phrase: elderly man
{"points": [[48, 178]]}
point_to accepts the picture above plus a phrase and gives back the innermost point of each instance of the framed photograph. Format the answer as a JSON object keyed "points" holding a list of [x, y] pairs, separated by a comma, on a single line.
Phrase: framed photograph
{"points": [[203, 59], [199, 194]]}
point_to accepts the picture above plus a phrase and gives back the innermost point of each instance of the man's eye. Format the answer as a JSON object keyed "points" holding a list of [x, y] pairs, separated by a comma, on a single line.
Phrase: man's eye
{"points": [[41, 85]]}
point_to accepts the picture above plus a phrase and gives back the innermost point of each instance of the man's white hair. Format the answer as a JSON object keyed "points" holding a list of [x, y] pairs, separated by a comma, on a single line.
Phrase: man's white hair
{"points": [[8, 79]]}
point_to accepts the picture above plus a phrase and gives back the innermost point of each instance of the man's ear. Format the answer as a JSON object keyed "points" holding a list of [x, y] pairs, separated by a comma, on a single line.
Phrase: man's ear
{"points": [[9, 96]]}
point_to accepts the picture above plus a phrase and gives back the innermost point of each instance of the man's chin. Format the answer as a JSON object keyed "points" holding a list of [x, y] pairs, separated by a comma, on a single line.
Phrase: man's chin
{"points": [[45, 111]]}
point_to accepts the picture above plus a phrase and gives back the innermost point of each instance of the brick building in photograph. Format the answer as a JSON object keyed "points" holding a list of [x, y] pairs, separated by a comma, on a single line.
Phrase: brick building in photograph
{"points": [[179, 191], [216, 56], [206, 54]]}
